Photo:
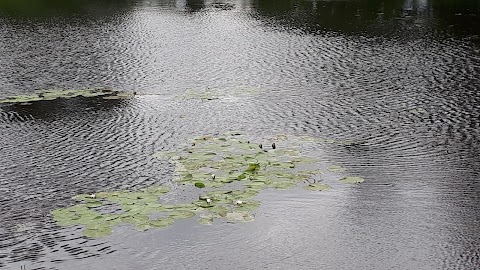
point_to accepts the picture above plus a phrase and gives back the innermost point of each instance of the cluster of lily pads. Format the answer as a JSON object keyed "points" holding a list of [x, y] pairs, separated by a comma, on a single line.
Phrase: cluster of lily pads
{"points": [[228, 172], [45, 95]]}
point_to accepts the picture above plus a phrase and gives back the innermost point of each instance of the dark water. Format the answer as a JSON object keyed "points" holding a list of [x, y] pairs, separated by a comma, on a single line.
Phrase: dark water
{"points": [[401, 78]]}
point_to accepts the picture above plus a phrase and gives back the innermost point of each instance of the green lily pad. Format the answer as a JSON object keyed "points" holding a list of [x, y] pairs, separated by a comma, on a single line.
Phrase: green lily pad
{"points": [[246, 206], [94, 204], [352, 180], [253, 167], [203, 204], [97, 232], [180, 214], [199, 184], [162, 222]]}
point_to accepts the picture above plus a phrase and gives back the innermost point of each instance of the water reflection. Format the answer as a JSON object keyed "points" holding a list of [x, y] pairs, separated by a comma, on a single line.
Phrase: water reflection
{"points": [[50, 8], [376, 17], [195, 5]]}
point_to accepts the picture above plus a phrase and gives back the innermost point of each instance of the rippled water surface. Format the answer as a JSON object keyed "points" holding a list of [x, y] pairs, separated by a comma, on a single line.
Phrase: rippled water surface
{"points": [[398, 78]]}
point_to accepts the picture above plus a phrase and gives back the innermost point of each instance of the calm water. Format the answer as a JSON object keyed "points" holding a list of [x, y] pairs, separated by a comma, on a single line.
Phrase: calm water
{"points": [[401, 78]]}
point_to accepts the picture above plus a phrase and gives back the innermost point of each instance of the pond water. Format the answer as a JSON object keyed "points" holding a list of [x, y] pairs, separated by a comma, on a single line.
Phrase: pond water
{"points": [[400, 79]]}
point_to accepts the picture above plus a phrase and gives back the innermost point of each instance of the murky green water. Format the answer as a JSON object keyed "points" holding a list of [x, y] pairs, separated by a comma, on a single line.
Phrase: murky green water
{"points": [[397, 79]]}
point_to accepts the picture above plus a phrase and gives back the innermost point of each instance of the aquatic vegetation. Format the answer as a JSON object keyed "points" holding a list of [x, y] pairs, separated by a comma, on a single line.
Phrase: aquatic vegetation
{"points": [[199, 184], [229, 172], [216, 162], [45, 95], [318, 187], [352, 180], [135, 208], [336, 168], [213, 94]]}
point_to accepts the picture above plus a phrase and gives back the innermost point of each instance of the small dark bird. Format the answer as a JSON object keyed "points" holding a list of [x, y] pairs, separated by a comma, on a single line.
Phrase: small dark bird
{"points": [[273, 146], [260, 145]]}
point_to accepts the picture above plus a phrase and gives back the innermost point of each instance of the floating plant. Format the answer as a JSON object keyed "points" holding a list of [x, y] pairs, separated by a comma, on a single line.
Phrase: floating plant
{"points": [[229, 172], [217, 162], [213, 94], [45, 95], [352, 180], [336, 168], [318, 187]]}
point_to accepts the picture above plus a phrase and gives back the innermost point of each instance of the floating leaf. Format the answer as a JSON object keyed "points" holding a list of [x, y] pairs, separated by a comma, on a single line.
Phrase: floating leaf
{"points": [[94, 204], [239, 217], [247, 205], [199, 184], [203, 204], [253, 167], [97, 232], [206, 220], [218, 210], [180, 214], [162, 222], [336, 168], [352, 180], [283, 185], [318, 187]]}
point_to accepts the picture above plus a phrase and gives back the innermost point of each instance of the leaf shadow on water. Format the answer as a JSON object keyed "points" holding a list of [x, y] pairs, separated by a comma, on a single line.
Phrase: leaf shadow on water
{"points": [[55, 104]]}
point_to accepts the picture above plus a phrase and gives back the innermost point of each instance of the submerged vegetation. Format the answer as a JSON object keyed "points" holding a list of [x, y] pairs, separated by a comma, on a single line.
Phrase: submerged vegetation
{"points": [[228, 172], [46, 95]]}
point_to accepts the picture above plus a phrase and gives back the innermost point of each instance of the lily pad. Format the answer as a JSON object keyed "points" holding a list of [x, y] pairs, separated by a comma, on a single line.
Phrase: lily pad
{"points": [[162, 222], [283, 185], [180, 214], [352, 180], [253, 167], [239, 217], [336, 168], [247, 205], [318, 187], [199, 184], [206, 220], [97, 232]]}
